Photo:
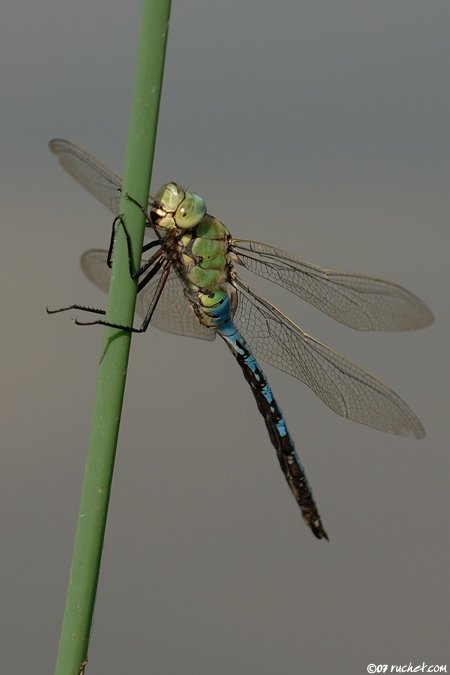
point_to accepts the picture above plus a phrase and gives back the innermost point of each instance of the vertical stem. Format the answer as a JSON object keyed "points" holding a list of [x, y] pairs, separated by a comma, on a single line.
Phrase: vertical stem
{"points": [[77, 622]]}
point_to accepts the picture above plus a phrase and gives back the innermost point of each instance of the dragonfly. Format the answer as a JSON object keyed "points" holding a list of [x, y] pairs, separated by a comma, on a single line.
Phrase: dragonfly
{"points": [[191, 286]]}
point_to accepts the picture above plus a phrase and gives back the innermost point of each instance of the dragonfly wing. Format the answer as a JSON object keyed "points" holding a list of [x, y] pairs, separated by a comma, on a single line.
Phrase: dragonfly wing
{"points": [[341, 384], [356, 300], [173, 312], [94, 176]]}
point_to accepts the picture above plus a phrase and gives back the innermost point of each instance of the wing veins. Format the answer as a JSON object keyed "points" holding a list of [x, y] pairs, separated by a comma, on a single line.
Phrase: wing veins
{"points": [[341, 384]]}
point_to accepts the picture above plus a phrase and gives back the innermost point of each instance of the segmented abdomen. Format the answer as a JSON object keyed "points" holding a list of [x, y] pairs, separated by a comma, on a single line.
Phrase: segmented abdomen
{"points": [[276, 425]]}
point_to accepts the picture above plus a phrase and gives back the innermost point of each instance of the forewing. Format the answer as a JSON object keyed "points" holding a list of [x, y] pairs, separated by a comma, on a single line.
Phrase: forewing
{"points": [[94, 176], [356, 300], [173, 312], [341, 384]]}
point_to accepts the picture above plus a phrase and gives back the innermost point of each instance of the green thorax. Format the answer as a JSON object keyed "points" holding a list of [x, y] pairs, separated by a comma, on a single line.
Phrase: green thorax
{"points": [[203, 254], [197, 244]]}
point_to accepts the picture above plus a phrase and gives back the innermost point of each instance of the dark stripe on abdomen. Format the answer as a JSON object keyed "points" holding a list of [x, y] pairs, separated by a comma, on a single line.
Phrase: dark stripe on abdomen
{"points": [[276, 425]]}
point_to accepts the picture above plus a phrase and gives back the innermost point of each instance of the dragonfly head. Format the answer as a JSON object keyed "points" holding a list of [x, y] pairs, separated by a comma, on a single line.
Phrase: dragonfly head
{"points": [[175, 207]]}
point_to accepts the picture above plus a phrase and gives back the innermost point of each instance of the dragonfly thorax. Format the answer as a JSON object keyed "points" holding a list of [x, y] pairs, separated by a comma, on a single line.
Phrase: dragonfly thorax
{"points": [[176, 207]]}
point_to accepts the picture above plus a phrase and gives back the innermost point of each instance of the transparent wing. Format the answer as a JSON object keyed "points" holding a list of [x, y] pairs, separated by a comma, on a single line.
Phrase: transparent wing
{"points": [[173, 312], [341, 384], [356, 300], [94, 176]]}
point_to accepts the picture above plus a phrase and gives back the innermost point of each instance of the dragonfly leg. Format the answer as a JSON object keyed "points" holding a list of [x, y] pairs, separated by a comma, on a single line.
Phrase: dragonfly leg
{"points": [[116, 222], [134, 274], [151, 244], [156, 267], [83, 308], [156, 297], [110, 324], [157, 261], [148, 220], [154, 260], [150, 311]]}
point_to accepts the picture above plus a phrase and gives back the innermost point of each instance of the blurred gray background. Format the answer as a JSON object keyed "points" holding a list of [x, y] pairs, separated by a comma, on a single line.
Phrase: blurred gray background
{"points": [[321, 127]]}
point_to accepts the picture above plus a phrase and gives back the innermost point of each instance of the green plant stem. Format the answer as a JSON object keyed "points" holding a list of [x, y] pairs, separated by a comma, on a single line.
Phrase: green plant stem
{"points": [[77, 622]]}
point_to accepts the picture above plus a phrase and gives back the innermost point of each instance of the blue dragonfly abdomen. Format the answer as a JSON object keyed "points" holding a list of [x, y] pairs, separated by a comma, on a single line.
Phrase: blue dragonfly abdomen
{"points": [[280, 437]]}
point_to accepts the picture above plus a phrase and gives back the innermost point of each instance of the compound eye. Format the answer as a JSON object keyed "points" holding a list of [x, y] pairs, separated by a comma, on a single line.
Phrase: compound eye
{"points": [[170, 197], [190, 212]]}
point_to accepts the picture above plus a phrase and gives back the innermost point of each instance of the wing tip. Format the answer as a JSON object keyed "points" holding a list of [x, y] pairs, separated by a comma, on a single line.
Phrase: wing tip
{"points": [[56, 145], [419, 432], [420, 317], [428, 317], [409, 426]]}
